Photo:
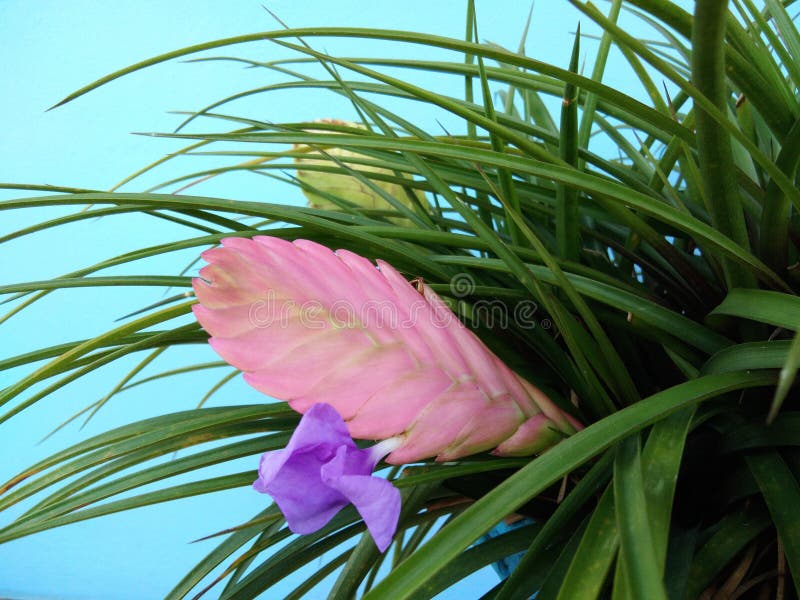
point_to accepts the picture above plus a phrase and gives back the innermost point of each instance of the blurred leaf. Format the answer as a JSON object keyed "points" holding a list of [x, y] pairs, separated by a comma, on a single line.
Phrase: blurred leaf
{"points": [[786, 378], [782, 494], [774, 308]]}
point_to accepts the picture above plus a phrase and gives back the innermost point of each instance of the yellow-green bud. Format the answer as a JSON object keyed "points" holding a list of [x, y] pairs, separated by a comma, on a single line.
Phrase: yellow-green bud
{"points": [[346, 186]]}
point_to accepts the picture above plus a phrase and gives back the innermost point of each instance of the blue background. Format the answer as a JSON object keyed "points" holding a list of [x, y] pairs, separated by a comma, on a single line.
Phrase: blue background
{"points": [[51, 48]]}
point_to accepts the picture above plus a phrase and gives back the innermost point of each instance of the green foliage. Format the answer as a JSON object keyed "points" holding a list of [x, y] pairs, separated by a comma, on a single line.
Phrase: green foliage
{"points": [[667, 263]]}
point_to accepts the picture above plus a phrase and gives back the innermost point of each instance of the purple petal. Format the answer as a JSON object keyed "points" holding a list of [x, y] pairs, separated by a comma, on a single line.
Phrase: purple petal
{"points": [[292, 475], [321, 425], [377, 500], [297, 488], [321, 471]]}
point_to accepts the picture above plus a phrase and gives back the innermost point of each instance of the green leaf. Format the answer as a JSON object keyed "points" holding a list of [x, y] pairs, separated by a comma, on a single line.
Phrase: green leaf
{"points": [[774, 308], [134, 280], [783, 431], [782, 494], [635, 534], [750, 355], [555, 576], [714, 146], [786, 377], [270, 517], [75, 495], [185, 490], [661, 461], [365, 555], [594, 556], [138, 437], [521, 583], [734, 533], [545, 470], [639, 308], [567, 197], [477, 557]]}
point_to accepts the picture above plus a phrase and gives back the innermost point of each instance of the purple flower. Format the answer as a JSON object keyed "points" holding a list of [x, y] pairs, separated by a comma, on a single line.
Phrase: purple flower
{"points": [[321, 471]]}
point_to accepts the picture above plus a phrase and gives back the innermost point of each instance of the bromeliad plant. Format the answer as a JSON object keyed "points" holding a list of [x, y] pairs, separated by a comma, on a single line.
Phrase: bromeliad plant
{"points": [[658, 237]]}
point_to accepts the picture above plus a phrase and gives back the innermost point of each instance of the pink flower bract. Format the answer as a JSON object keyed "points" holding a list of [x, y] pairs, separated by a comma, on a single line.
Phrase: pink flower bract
{"points": [[308, 325]]}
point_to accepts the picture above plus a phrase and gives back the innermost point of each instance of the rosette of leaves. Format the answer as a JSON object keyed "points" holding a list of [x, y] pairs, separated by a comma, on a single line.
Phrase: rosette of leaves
{"points": [[658, 233]]}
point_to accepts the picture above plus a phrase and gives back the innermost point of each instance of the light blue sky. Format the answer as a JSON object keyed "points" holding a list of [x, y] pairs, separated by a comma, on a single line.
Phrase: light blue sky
{"points": [[52, 47]]}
